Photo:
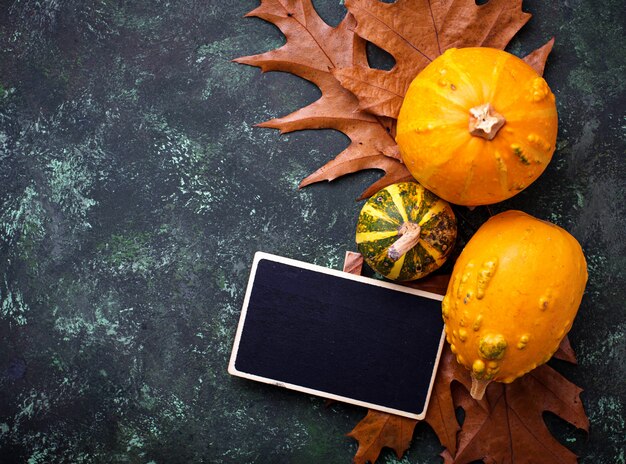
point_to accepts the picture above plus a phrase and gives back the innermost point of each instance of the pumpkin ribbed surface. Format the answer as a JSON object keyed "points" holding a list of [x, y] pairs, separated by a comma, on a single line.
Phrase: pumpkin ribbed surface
{"points": [[388, 214], [477, 126]]}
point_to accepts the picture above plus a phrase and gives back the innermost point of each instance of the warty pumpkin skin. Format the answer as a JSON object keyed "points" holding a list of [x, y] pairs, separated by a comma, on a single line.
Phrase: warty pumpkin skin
{"points": [[477, 126], [513, 295], [404, 232]]}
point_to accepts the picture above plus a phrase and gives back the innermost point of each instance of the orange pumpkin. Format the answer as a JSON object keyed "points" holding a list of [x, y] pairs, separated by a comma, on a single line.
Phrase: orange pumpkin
{"points": [[477, 126], [513, 295]]}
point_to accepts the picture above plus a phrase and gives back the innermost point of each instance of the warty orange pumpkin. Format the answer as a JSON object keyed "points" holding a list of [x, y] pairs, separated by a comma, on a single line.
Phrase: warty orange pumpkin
{"points": [[477, 126], [513, 295]]}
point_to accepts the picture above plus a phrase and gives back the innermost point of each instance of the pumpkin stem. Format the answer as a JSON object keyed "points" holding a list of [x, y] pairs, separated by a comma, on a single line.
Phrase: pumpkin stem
{"points": [[485, 122], [409, 236], [478, 388]]}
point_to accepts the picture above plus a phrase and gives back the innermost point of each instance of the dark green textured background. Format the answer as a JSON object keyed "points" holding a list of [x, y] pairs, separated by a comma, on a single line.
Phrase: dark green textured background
{"points": [[135, 190]]}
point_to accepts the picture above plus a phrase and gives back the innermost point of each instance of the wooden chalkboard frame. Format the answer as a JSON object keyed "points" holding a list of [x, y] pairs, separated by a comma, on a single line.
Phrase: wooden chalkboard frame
{"points": [[235, 371]]}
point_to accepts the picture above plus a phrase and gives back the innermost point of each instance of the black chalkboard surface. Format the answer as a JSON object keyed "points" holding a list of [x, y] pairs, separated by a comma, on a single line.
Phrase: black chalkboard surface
{"points": [[339, 336]]}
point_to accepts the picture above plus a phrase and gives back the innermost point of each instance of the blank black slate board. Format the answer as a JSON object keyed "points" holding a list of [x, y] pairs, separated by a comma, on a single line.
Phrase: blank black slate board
{"points": [[338, 335]]}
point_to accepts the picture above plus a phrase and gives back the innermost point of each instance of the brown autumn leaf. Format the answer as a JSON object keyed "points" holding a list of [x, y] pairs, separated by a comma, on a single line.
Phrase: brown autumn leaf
{"points": [[379, 430], [322, 54], [507, 426], [415, 32], [441, 415], [537, 59], [312, 51]]}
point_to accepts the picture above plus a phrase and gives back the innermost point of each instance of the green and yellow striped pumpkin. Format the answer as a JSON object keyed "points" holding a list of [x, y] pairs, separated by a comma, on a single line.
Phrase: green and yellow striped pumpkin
{"points": [[405, 232]]}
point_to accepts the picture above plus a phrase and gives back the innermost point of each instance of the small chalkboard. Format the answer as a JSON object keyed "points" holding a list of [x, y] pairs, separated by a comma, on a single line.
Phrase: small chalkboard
{"points": [[338, 335]]}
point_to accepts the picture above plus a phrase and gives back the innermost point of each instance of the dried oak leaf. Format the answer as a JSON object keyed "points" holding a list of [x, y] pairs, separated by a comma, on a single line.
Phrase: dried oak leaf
{"points": [[312, 51], [441, 415], [322, 54], [378, 430], [506, 427], [415, 32]]}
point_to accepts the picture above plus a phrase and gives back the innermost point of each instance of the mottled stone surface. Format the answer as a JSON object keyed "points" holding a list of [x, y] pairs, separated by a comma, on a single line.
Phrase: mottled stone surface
{"points": [[135, 189]]}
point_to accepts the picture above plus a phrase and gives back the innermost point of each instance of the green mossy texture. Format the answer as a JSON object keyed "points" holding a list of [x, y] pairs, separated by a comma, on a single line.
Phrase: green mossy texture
{"points": [[135, 190]]}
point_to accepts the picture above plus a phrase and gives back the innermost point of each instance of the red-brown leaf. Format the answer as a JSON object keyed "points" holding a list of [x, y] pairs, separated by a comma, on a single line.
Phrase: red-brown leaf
{"points": [[537, 59], [378, 430], [415, 32], [432, 283], [312, 51], [441, 415], [508, 427], [353, 263], [566, 352], [360, 101]]}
